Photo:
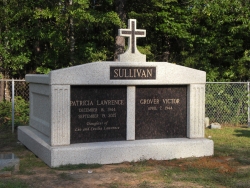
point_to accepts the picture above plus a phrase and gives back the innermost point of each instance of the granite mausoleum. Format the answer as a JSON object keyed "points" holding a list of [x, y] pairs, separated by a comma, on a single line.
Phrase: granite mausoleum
{"points": [[111, 112]]}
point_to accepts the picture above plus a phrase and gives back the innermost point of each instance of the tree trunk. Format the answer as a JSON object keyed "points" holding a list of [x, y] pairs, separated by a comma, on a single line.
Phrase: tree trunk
{"points": [[120, 41], [71, 36]]}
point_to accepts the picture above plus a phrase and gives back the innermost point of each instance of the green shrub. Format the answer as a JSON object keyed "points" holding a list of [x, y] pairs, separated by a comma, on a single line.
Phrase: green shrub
{"points": [[21, 112]]}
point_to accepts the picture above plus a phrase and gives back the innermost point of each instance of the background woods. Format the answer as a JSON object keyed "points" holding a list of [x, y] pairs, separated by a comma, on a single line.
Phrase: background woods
{"points": [[39, 36]]}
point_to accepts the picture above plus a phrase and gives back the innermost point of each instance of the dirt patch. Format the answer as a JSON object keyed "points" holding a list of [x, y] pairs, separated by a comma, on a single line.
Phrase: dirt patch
{"points": [[105, 176], [133, 175], [221, 164]]}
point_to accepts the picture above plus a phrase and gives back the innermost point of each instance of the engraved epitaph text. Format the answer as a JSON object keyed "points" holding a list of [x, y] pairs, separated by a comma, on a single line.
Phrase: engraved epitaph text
{"points": [[98, 113], [161, 112]]}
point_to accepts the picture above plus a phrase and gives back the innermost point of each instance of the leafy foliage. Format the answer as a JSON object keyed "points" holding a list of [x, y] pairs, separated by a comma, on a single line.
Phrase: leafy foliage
{"points": [[39, 36], [21, 112]]}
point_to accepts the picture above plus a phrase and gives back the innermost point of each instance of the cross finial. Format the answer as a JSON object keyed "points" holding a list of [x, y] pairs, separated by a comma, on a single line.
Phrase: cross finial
{"points": [[132, 54]]}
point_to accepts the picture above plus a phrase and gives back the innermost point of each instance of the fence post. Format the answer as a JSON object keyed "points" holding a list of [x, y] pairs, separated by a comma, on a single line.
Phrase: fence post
{"points": [[248, 90], [13, 104]]}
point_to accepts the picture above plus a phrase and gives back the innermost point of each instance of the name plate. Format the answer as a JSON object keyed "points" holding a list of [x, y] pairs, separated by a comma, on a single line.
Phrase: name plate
{"points": [[132, 73]]}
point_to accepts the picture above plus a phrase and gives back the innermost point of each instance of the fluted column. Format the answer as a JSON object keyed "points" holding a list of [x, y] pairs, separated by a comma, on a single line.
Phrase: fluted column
{"points": [[60, 115], [196, 111]]}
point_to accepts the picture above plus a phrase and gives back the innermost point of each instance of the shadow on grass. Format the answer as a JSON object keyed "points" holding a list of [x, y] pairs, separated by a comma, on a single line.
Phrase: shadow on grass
{"points": [[242, 133]]}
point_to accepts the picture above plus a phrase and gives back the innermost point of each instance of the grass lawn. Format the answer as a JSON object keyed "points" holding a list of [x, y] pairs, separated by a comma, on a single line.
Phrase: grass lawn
{"points": [[229, 167]]}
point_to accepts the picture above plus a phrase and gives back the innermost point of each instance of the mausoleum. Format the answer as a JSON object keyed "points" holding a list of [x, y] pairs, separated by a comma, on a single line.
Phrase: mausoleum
{"points": [[112, 112]]}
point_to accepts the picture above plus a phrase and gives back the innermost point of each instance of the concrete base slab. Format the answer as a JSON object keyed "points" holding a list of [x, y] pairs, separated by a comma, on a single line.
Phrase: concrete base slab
{"points": [[113, 152], [9, 160]]}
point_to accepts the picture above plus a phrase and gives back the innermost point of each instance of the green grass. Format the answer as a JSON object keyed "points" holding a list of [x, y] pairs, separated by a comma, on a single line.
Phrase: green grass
{"points": [[7, 138], [231, 141], [65, 176], [145, 184], [113, 185], [9, 168], [232, 149], [170, 174], [28, 162], [9, 143], [12, 183], [137, 167], [229, 167]]}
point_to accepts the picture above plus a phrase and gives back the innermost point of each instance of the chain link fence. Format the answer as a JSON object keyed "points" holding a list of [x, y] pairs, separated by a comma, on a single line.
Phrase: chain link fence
{"points": [[9, 87], [14, 97], [226, 103]]}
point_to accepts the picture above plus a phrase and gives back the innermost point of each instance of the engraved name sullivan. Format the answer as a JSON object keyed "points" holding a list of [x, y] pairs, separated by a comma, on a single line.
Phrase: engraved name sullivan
{"points": [[133, 73]]}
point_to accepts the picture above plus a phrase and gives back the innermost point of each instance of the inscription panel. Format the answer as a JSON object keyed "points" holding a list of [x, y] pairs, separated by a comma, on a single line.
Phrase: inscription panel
{"points": [[98, 113], [161, 112]]}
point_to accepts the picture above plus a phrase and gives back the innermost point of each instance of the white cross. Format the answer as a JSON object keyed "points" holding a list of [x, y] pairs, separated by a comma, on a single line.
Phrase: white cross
{"points": [[132, 33]]}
